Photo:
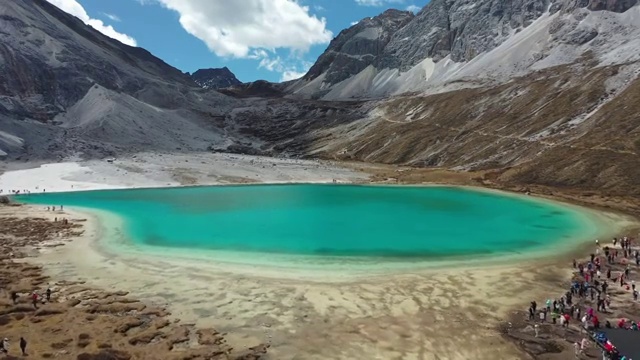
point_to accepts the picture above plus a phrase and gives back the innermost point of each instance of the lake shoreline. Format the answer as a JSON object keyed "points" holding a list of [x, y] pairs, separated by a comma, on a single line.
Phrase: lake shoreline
{"points": [[310, 266], [264, 309], [82, 320]]}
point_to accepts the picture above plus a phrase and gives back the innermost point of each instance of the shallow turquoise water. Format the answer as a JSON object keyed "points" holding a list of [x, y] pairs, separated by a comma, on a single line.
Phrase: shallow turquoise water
{"points": [[333, 219]]}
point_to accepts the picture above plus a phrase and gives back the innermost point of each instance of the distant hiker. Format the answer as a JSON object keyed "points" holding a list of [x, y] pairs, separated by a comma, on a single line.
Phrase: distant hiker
{"points": [[536, 328], [48, 295], [23, 346], [14, 297], [61, 208], [53, 208]]}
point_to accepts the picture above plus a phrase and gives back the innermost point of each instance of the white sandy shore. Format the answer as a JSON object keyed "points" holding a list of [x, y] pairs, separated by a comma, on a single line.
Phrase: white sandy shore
{"points": [[158, 170], [416, 314]]}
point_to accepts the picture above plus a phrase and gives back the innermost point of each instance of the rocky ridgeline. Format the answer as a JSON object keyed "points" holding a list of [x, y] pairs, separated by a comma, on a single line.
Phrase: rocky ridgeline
{"points": [[358, 46], [461, 29]]}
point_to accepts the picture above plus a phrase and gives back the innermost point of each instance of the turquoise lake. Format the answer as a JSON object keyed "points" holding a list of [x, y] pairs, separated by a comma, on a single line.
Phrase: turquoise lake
{"points": [[336, 220]]}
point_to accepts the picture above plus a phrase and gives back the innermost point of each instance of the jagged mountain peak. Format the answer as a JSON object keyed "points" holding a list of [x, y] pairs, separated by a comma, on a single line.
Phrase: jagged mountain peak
{"points": [[356, 47], [470, 43], [215, 78]]}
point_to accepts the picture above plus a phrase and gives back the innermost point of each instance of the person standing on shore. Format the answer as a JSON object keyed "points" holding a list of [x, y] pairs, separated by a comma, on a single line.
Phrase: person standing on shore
{"points": [[48, 295], [583, 345], [23, 346]]}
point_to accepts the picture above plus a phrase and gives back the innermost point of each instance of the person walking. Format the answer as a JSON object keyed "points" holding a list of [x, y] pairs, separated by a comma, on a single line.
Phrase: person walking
{"points": [[34, 299], [23, 346]]}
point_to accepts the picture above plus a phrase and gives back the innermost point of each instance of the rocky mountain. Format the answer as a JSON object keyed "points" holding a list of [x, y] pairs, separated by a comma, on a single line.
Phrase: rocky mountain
{"points": [[215, 78], [475, 42], [531, 92], [358, 46], [66, 88]]}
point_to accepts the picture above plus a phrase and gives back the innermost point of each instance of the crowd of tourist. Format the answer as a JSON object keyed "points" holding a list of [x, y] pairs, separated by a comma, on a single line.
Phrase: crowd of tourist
{"points": [[587, 302], [35, 299]]}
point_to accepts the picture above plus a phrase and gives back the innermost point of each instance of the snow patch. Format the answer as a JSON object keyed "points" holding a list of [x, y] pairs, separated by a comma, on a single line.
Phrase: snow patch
{"points": [[11, 140]]}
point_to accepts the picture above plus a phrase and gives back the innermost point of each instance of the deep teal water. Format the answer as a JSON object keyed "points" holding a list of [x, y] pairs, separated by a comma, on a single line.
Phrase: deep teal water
{"points": [[333, 219]]}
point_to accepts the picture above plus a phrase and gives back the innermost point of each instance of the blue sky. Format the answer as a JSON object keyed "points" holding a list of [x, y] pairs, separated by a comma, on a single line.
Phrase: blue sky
{"points": [[257, 39]]}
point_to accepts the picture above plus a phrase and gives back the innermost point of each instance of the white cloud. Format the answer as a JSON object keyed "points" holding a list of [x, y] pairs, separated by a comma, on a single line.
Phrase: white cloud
{"points": [[74, 8], [414, 8], [291, 75], [378, 2], [112, 17], [289, 69], [236, 28]]}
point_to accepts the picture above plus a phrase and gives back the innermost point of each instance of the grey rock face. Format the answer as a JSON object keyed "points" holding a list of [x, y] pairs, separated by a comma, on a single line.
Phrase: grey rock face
{"points": [[49, 60], [67, 89], [215, 78], [618, 6], [460, 28], [358, 46]]}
